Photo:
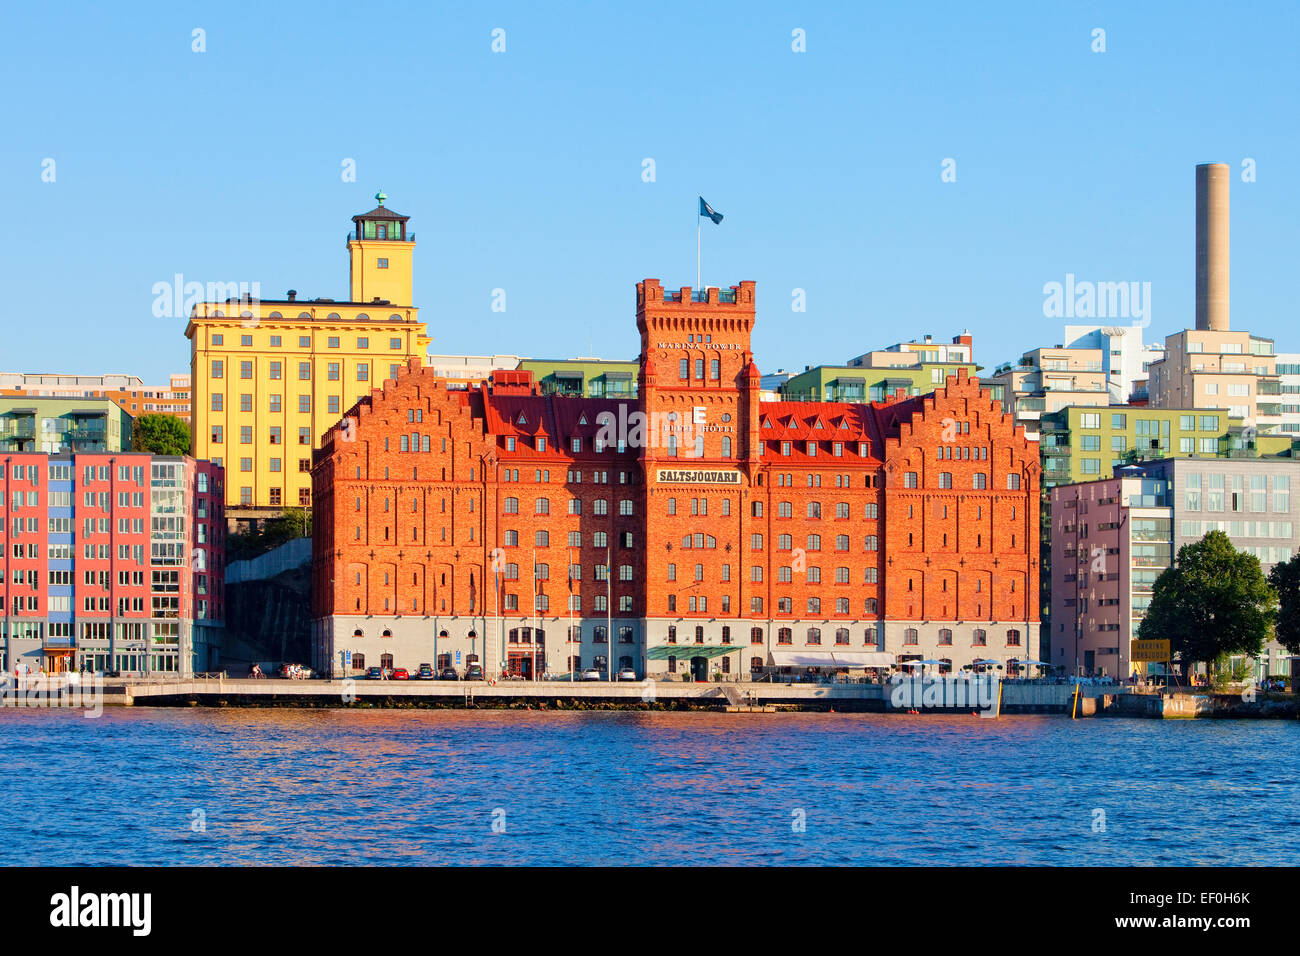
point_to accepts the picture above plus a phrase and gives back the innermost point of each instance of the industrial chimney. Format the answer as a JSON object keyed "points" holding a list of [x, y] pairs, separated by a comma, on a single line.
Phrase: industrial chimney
{"points": [[1212, 246]]}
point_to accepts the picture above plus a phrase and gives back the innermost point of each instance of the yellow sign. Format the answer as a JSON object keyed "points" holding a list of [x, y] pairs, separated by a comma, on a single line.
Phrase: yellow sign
{"points": [[1144, 652]]}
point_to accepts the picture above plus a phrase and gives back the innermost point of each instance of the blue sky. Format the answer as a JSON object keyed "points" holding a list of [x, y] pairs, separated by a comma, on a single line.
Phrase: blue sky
{"points": [[522, 170]]}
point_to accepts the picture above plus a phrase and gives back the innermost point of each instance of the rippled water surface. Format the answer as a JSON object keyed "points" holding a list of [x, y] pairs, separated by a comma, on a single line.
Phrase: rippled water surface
{"points": [[425, 787]]}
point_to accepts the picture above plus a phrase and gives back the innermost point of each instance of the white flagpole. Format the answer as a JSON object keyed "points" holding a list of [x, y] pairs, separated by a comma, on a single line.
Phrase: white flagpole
{"points": [[697, 248]]}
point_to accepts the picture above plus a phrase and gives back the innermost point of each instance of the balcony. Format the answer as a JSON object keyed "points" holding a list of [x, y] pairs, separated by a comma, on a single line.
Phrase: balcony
{"points": [[18, 428]]}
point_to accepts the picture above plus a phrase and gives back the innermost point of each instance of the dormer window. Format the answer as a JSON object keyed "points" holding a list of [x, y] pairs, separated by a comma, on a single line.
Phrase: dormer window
{"points": [[541, 443], [522, 420]]}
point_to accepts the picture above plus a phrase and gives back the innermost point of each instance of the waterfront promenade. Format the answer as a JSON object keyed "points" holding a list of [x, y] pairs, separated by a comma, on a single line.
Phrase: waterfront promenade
{"points": [[956, 696]]}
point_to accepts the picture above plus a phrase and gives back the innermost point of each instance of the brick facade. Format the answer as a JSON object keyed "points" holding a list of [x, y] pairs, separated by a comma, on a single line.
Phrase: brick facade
{"points": [[735, 530]]}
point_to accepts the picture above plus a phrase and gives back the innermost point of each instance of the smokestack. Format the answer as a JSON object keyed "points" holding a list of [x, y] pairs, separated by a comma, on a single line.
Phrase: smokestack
{"points": [[1212, 246]]}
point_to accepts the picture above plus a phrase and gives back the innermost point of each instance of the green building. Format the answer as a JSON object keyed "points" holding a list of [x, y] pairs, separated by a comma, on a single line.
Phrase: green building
{"points": [[1086, 443], [915, 368], [843, 383], [583, 378], [50, 424]]}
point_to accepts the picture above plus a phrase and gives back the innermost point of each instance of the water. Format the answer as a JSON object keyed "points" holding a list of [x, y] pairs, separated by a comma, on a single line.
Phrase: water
{"points": [[386, 787]]}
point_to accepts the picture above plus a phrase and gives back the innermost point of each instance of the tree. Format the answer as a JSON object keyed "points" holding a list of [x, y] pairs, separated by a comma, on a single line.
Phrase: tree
{"points": [[160, 434], [293, 523], [1212, 603], [1285, 578]]}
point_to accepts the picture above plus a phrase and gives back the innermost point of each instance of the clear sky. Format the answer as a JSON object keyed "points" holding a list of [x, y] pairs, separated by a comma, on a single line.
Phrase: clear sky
{"points": [[523, 170]]}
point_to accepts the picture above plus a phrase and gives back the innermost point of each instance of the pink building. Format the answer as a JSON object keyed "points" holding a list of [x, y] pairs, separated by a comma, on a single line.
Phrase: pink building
{"points": [[1110, 541], [112, 561]]}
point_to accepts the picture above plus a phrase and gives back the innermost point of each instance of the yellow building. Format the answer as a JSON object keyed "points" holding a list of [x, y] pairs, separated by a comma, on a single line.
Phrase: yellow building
{"points": [[269, 377]]}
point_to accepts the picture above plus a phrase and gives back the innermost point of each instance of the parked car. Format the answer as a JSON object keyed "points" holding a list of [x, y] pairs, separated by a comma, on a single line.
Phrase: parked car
{"points": [[449, 673], [401, 673], [374, 673], [474, 672], [591, 674], [425, 672], [627, 674]]}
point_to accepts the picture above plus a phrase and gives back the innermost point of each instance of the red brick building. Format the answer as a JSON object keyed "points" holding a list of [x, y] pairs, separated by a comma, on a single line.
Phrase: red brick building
{"points": [[696, 526]]}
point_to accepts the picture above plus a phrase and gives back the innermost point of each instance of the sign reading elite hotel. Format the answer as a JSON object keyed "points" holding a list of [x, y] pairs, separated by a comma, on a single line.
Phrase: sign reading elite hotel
{"points": [[725, 476], [1149, 652]]}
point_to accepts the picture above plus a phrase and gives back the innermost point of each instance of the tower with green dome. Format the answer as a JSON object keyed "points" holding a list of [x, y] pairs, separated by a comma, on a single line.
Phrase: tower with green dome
{"points": [[381, 252]]}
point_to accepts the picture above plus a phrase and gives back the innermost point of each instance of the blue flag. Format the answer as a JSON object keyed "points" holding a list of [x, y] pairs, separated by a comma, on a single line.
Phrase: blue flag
{"points": [[707, 210]]}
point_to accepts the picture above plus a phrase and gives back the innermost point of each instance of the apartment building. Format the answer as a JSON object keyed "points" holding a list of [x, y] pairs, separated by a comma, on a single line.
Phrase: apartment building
{"points": [[1111, 539], [110, 560], [54, 424]]}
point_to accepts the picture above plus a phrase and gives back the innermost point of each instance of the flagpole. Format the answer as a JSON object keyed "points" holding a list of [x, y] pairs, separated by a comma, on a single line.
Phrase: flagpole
{"points": [[697, 249]]}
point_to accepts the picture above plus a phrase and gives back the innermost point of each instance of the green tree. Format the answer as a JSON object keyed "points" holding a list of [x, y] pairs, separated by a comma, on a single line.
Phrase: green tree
{"points": [[1285, 578], [160, 434], [293, 523], [1214, 601]]}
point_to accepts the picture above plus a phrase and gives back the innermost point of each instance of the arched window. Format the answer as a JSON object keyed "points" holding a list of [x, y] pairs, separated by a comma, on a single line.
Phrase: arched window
{"points": [[980, 638], [726, 446], [910, 636], [814, 635], [945, 636], [981, 481], [1013, 482]]}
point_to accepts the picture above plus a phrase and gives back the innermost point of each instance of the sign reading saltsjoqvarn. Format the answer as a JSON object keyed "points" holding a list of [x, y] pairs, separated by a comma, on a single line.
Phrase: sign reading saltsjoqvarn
{"points": [[729, 476]]}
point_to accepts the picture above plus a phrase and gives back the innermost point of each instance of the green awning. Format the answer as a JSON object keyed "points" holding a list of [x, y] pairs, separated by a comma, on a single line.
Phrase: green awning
{"points": [[685, 651]]}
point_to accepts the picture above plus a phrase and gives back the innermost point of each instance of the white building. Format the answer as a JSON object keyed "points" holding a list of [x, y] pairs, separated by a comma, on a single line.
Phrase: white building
{"points": [[1124, 356]]}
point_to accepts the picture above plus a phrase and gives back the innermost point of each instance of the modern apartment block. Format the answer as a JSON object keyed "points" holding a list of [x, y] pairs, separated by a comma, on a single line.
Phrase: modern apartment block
{"points": [[693, 528], [914, 368], [1210, 368], [61, 425], [1049, 379], [1087, 443], [469, 371], [111, 560], [1111, 539], [1124, 356], [270, 377], [583, 377], [1288, 374], [129, 392]]}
